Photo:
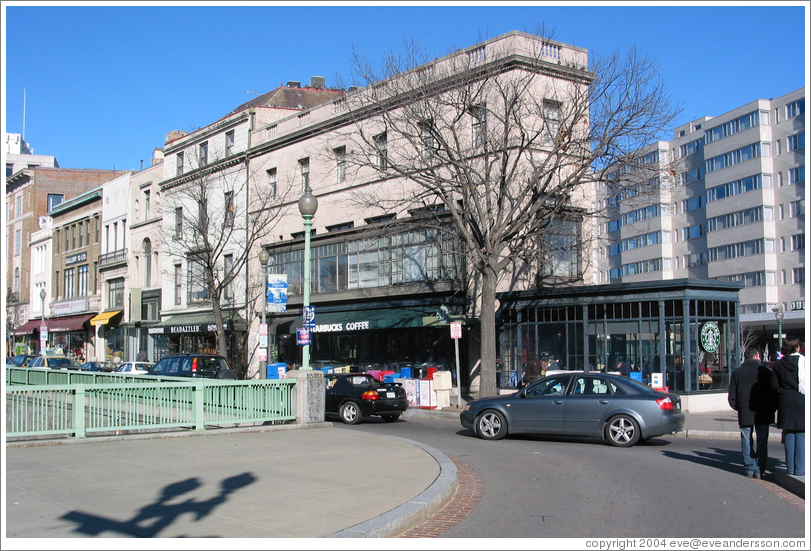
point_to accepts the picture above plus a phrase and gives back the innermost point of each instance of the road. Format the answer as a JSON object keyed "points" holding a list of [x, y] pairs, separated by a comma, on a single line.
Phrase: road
{"points": [[668, 487]]}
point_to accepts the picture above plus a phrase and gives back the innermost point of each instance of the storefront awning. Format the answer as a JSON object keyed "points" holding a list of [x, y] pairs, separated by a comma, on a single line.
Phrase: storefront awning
{"points": [[196, 323], [366, 320], [27, 328], [104, 317], [72, 323]]}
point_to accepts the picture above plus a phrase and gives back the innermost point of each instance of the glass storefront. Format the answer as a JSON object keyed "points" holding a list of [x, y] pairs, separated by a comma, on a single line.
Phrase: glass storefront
{"points": [[657, 329]]}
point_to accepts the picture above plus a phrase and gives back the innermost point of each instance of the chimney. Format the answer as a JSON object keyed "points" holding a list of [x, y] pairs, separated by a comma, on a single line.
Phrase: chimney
{"points": [[174, 135], [293, 84], [319, 83], [157, 155]]}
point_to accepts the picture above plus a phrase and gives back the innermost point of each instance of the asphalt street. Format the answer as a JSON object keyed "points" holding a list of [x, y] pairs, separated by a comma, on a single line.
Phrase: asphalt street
{"points": [[568, 487]]}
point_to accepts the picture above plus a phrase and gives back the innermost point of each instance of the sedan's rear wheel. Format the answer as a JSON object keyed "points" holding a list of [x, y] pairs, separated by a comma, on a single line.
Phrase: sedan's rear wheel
{"points": [[623, 431], [491, 425], [390, 417], [350, 413]]}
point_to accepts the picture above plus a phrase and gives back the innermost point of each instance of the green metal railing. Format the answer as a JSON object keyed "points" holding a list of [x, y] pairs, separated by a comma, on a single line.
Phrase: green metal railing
{"points": [[110, 403]]}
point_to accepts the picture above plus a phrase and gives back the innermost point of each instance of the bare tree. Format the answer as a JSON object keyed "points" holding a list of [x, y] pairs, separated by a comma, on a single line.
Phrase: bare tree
{"points": [[213, 218], [506, 141]]}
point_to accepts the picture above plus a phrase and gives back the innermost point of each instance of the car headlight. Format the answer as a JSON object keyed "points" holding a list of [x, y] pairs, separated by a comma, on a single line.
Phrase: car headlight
{"points": [[467, 407]]}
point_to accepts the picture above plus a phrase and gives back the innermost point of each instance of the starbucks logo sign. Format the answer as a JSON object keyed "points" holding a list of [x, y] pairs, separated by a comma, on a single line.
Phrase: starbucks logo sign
{"points": [[710, 336]]}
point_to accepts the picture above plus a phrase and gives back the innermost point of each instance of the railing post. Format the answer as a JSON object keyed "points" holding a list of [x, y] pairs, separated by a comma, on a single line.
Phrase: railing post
{"points": [[198, 397], [78, 412]]}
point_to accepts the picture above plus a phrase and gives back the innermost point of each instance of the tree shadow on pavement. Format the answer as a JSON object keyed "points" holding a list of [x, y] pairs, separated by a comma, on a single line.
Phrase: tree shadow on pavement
{"points": [[724, 460], [155, 517]]}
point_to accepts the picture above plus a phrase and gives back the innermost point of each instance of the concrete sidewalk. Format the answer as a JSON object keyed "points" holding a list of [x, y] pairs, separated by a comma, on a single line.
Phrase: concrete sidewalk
{"points": [[267, 482], [261, 482]]}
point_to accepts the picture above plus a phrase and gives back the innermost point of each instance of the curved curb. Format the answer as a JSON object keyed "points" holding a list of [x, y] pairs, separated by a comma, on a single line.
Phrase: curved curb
{"points": [[414, 511]]}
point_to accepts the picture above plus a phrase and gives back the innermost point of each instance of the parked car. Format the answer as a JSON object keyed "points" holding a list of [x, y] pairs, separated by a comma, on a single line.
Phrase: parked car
{"points": [[611, 407], [134, 368], [209, 366], [54, 362], [97, 366], [353, 396], [23, 360]]}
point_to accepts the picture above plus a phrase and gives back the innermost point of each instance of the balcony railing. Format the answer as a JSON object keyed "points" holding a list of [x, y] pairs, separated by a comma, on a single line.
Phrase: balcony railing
{"points": [[113, 257]]}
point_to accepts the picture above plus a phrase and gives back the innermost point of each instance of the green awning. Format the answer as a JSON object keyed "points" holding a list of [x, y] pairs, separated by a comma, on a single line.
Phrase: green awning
{"points": [[196, 323], [368, 320]]}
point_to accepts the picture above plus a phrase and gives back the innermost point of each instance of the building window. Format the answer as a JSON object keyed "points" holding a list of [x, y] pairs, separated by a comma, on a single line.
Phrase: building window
{"points": [[795, 108], [427, 139], [73, 236], [551, 114], [203, 153], [382, 147], [798, 242], [115, 293], [340, 164], [70, 282], [229, 143], [178, 283], [798, 275], [797, 208], [179, 163], [54, 200], [84, 280], [98, 228], [147, 205], [178, 223], [147, 263], [779, 144], [17, 281], [18, 242], [304, 167], [228, 267], [693, 232], [19, 203], [272, 182], [795, 142], [196, 282], [228, 201], [478, 125], [796, 175]]}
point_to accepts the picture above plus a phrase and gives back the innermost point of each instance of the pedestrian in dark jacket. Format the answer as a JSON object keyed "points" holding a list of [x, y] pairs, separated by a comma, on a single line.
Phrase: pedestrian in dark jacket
{"points": [[751, 395], [791, 404]]}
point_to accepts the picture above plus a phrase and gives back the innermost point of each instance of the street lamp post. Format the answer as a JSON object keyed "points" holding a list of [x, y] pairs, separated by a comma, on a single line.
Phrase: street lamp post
{"points": [[307, 206], [42, 334], [779, 315], [264, 257]]}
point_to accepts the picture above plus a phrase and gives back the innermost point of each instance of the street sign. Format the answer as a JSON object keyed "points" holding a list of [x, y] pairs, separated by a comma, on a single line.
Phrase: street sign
{"points": [[308, 315], [303, 336], [456, 330]]}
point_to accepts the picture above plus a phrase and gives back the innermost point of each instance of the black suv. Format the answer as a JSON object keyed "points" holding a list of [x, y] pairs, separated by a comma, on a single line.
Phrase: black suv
{"points": [[207, 366]]}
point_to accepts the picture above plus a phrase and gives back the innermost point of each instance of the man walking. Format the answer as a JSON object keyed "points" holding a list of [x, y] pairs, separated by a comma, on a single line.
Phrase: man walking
{"points": [[751, 395]]}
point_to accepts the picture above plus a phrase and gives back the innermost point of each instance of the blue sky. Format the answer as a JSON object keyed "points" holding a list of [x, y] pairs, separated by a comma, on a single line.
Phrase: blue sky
{"points": [[104, 84]]}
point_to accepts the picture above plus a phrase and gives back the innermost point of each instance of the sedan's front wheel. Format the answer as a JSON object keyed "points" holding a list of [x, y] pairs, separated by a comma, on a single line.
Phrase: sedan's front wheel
{"points": [[623, 431], [491, 425], [350, 413]]}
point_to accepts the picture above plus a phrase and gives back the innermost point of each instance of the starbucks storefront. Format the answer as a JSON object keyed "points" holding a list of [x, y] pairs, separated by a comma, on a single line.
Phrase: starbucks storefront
{"points": [[684, 333]]}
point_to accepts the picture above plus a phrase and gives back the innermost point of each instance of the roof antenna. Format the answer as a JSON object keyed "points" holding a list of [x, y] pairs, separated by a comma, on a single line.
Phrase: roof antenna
{"points": [[24, 91]]}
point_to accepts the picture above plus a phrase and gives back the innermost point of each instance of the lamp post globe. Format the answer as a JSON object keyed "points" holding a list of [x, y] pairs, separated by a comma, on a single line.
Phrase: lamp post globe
{"points": [[779, 315], [307, 203]]}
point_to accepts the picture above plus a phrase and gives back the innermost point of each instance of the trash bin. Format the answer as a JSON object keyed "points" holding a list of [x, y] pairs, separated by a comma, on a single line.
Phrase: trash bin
{"points": [[276, 370]]}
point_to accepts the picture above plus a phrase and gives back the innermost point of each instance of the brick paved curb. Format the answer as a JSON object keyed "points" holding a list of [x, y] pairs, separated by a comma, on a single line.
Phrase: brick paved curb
{"points": [[468, 495], [415, 511]]}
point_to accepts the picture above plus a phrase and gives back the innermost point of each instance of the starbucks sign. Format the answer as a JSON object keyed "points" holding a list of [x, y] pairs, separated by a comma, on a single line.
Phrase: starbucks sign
{"points": [[710, 336]]}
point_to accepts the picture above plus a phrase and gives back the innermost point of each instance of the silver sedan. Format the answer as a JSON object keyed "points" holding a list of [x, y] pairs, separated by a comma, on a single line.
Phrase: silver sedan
{"points": [[611, 407]]}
